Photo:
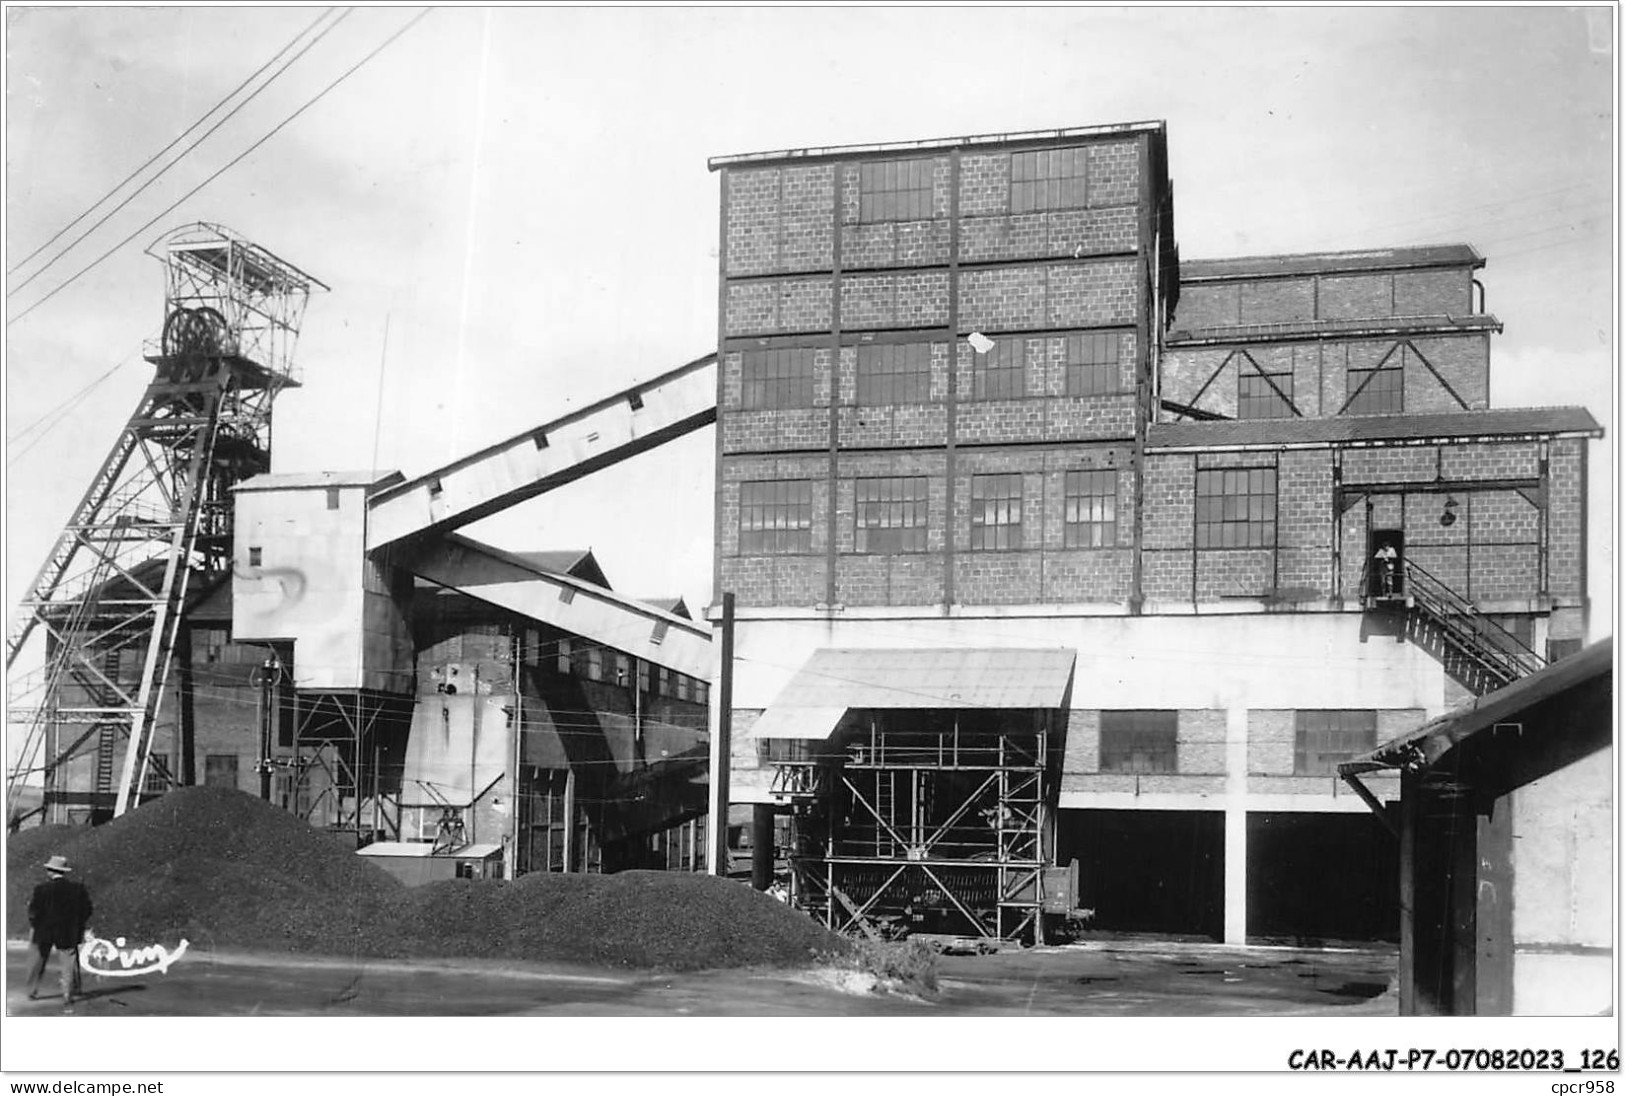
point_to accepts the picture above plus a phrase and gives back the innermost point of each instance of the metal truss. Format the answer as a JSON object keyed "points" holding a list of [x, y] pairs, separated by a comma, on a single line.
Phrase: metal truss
{"points": [[338, 741], [941, 831], [109, 599]]}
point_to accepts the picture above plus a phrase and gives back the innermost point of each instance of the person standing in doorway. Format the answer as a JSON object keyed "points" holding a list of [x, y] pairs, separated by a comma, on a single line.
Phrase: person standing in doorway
{"points": [[1388, 565], [59, 912]]}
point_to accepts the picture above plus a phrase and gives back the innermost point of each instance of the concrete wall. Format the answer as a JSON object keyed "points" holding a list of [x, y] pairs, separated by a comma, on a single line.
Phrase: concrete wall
{"points": [[1564, 891], [312, 583]]}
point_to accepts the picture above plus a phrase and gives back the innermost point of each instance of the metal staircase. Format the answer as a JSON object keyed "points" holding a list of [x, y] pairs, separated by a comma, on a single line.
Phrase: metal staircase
{"points": [[1473, 649]]}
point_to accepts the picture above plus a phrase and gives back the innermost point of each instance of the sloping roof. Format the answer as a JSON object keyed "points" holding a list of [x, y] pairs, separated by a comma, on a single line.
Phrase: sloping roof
{"points": [[1511, 422], [1309, 329], [674, 605], [1438, 736], [579, 562], [374, 479], [1330, 262]]}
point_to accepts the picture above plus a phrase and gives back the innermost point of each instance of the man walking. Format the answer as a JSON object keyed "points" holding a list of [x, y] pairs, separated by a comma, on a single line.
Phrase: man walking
{"points": [[59, 912]]}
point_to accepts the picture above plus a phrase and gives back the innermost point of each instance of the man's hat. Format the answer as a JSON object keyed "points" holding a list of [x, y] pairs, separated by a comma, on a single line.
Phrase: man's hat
{"points": [[57, 864]]}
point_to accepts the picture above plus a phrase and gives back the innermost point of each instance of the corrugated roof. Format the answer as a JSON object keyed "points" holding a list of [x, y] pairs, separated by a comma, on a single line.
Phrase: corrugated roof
{"points": [[984, 677], [285, 481], [1310, 329], [1357, 429], [1437, 736], [1329, 262], [716, 162]]}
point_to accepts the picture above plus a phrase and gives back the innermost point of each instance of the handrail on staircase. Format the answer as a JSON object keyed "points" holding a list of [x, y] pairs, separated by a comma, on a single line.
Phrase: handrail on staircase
{"points": [[1462, 616]]}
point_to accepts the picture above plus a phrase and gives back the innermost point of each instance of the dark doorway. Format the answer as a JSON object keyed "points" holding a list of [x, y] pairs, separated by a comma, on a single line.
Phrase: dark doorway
{"points": [[1148, 871], [1321, 877], [1385, 577]]}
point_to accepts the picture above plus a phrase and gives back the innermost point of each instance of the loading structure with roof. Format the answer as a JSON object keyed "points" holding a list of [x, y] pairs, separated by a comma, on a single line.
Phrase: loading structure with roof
{"points": [[972, 405]]}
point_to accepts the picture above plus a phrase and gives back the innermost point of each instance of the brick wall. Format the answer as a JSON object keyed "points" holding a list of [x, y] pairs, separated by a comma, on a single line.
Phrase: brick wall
{"points": [[1094, 574], [753, 221], [1433, 292], [777, 305], [1566, 526], [1303, 516], [1271, 741], [1491, 461], [1170, 501], [1356, 296], [806, 218], [908, 424], [998, 578], [1411, 464], [760, 431], [1207, 304], [1277, 300], [1459, 362], [1085, 294], [1166, 575], [1234, 572]]}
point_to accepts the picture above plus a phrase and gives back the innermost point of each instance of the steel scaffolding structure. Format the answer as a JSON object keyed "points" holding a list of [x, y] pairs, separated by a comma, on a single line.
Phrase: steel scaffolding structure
{"points": [[934, 821], [156, 517]]}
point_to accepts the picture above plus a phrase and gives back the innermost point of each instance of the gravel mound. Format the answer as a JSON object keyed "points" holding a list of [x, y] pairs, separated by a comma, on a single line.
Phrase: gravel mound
{"points": [[224, 869]]}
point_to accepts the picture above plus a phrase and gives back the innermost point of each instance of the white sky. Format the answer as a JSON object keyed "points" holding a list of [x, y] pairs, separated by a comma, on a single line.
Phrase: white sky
{"points": [[577, 217], [579, 220]]}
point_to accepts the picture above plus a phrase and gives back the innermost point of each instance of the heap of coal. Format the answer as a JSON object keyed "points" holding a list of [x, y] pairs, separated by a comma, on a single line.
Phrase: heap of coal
{"points": [[223, 869]]}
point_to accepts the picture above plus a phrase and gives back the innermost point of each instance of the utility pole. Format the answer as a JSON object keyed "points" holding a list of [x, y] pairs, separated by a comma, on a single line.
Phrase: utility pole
{"points": [[720, 745], [267, 683]]}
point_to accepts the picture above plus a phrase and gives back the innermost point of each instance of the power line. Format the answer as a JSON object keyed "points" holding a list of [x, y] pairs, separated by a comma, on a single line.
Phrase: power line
{"points": [[180, 137], [61, 409], [318, 97]]}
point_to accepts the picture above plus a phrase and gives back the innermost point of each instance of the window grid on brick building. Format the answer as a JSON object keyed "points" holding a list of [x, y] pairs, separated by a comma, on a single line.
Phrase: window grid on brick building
{"points": [[1090, 509], [1379, 391], [997, 375], [1048, 179], [1139, 742], [775, 517], [995, 512], [1261, 396], [1092, 363], [894, 373], [891, 514], [897, 190], [1235, 508], [1326, 738], [775, 379]]}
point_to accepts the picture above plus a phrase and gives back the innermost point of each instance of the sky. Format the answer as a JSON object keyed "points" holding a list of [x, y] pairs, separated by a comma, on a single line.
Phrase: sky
{"points": [[514, 214], [513, 209]]}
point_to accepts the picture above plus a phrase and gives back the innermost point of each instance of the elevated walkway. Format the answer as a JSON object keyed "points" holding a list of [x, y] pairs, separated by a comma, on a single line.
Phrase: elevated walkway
{"points": [[548, 456]]}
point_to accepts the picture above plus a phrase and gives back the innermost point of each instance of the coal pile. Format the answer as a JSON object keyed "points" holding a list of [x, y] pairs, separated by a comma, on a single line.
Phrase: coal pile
{"points": [[224, 869]]}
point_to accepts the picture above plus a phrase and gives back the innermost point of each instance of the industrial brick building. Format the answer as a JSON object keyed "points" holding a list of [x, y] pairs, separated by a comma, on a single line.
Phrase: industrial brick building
{"points": [[1048, 547]]}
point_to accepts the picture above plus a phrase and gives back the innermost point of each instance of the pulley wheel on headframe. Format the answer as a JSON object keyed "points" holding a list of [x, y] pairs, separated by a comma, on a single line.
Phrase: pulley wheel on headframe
{"points": [[191, 332]]}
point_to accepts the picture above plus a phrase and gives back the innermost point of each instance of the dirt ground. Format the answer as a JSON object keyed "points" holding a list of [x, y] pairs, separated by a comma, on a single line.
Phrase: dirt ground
{"points": [[1121, 977]]}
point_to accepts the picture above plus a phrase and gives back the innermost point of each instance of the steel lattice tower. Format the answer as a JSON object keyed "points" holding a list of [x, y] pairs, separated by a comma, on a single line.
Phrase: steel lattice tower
{"points": [[155, 520]]}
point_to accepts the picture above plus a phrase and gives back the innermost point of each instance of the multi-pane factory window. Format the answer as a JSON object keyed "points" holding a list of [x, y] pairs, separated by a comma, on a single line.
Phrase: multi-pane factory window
{"points": [[894, 373], [1049, 179], [1092, 363], [997, 375], [157, 778], [564, 657], [1235, 508], [1091, 509], [1326, 738], [643, 676], [1264, 397], [891, 514], [995, 511], [595, 664], [897, 190], [1376, 391], [1139, 742], [776, 379], [623, 669], [220, 770], [775, 517]]}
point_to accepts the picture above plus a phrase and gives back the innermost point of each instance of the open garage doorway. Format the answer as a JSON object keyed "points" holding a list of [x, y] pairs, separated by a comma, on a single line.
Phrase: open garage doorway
{"points": [[1321, 877], [1148, 871]]}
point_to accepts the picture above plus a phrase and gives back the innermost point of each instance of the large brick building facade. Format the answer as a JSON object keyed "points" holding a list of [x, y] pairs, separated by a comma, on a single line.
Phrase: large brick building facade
{"points": [[971, 400]]}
